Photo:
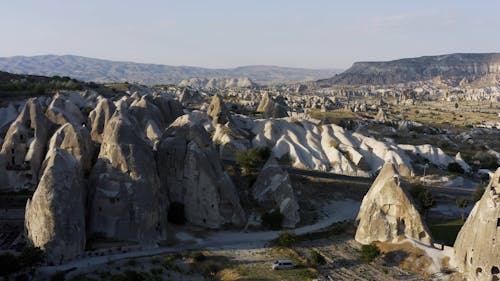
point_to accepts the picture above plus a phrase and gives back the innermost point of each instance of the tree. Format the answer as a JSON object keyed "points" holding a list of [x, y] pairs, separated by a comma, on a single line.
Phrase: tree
{"points": [[477, 194], [253, 158], [316, 258], [272, 219], [286, 239], [31, 256], [369, 253], [462, 204], [424, 199], [8, 265], [454, 167]]}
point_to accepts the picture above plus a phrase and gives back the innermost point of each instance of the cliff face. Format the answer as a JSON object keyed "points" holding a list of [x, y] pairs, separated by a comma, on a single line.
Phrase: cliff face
{"points": [[470, 67], [477, 253]]}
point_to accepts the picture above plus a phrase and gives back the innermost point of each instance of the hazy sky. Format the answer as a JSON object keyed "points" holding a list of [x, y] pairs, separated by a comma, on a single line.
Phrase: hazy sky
{"points": [[227, 33]]}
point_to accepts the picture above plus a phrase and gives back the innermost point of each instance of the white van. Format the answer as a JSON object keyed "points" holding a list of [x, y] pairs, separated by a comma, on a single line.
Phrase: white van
{"points": [[283, 264]]}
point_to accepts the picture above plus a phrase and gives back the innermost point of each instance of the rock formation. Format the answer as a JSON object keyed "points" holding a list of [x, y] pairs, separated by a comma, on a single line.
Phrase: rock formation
{"points": [[381, 116], [191, 171], [218, 111], [272, 108], [99, 117], [388, 214], [24, 148], [273, 189], [55, 216], [477, 253], [76, 140], [62, 111], [125, 200], [218, 83]]}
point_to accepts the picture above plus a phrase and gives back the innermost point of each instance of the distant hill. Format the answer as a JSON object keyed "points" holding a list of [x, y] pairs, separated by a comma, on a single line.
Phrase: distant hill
{"points": [[97, 70], [457, 67]]}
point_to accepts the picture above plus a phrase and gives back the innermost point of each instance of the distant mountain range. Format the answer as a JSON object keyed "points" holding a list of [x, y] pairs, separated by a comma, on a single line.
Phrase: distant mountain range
{"points": [[483, 68], [98, 70]]}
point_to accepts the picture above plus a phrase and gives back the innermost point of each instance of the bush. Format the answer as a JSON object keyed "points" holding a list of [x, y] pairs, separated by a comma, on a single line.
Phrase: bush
{"points": [[454, 167], [198, 256], [286, 239], [210, 269], [176, 213], [272, 219], [8, 264], [31, 256], [253, 158], [369, 253], [424, 199], [477, 194], [317, 259]]}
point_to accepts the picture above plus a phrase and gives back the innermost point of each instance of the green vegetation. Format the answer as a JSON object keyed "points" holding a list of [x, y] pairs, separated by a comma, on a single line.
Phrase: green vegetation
{"points": [[462, 204], [316, 259], [32, 85], [478, 193], [272, 219], [253, 158], [29, 257], [369, 253], [454, 167], [446, 232], [286, 239], [423, 198]]}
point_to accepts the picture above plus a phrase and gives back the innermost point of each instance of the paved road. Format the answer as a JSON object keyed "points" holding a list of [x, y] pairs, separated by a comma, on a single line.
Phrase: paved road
{"points": [[450, 191]]}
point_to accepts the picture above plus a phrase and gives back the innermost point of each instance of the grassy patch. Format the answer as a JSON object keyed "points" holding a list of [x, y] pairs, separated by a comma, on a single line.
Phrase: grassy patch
{"points": [[446, 232]]}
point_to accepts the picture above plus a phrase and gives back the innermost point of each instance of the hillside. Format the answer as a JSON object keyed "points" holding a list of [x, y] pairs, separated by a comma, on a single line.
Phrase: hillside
{"points": [[455, 67], [97, 70]]}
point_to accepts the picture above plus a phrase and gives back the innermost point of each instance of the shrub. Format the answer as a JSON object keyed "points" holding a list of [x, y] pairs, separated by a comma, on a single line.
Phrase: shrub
{"points": [[317, 259], [272, 219], [423, 198], [176, 213], [8, 264], [198, 256], [31, 256], [286, 239], [477, 194], [454, 167], [253, 157], [210, 269], [369, 253], [132, 262]]}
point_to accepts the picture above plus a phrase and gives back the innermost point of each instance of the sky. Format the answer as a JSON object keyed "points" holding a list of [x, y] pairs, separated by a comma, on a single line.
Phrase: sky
{"points": [[229, 33]]}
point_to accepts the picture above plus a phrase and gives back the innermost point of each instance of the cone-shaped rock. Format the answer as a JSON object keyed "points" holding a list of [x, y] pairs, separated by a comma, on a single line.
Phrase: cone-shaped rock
{"points": [[55, 216], [125, 200], [191, 171], [24, 148], [388, 214], [99, 118], [272, 108], [76, 140], [273, 188], [62, 110], [218, 111], [477, 247]]}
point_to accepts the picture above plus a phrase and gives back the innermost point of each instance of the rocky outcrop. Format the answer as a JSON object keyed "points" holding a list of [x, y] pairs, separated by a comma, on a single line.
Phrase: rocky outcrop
{"points": [[55, 215], [381, 116], [272, 108], [99, 117], [477, 253], [125, 200], [76, 141], [273, 189], [63, 110], [388, 214], [24, 148], [456, 67], [191, 171], [218, 111]]}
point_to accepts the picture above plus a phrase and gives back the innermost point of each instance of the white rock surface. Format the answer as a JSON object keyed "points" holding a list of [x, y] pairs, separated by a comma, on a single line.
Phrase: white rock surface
{"points": [[388, 214]]}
